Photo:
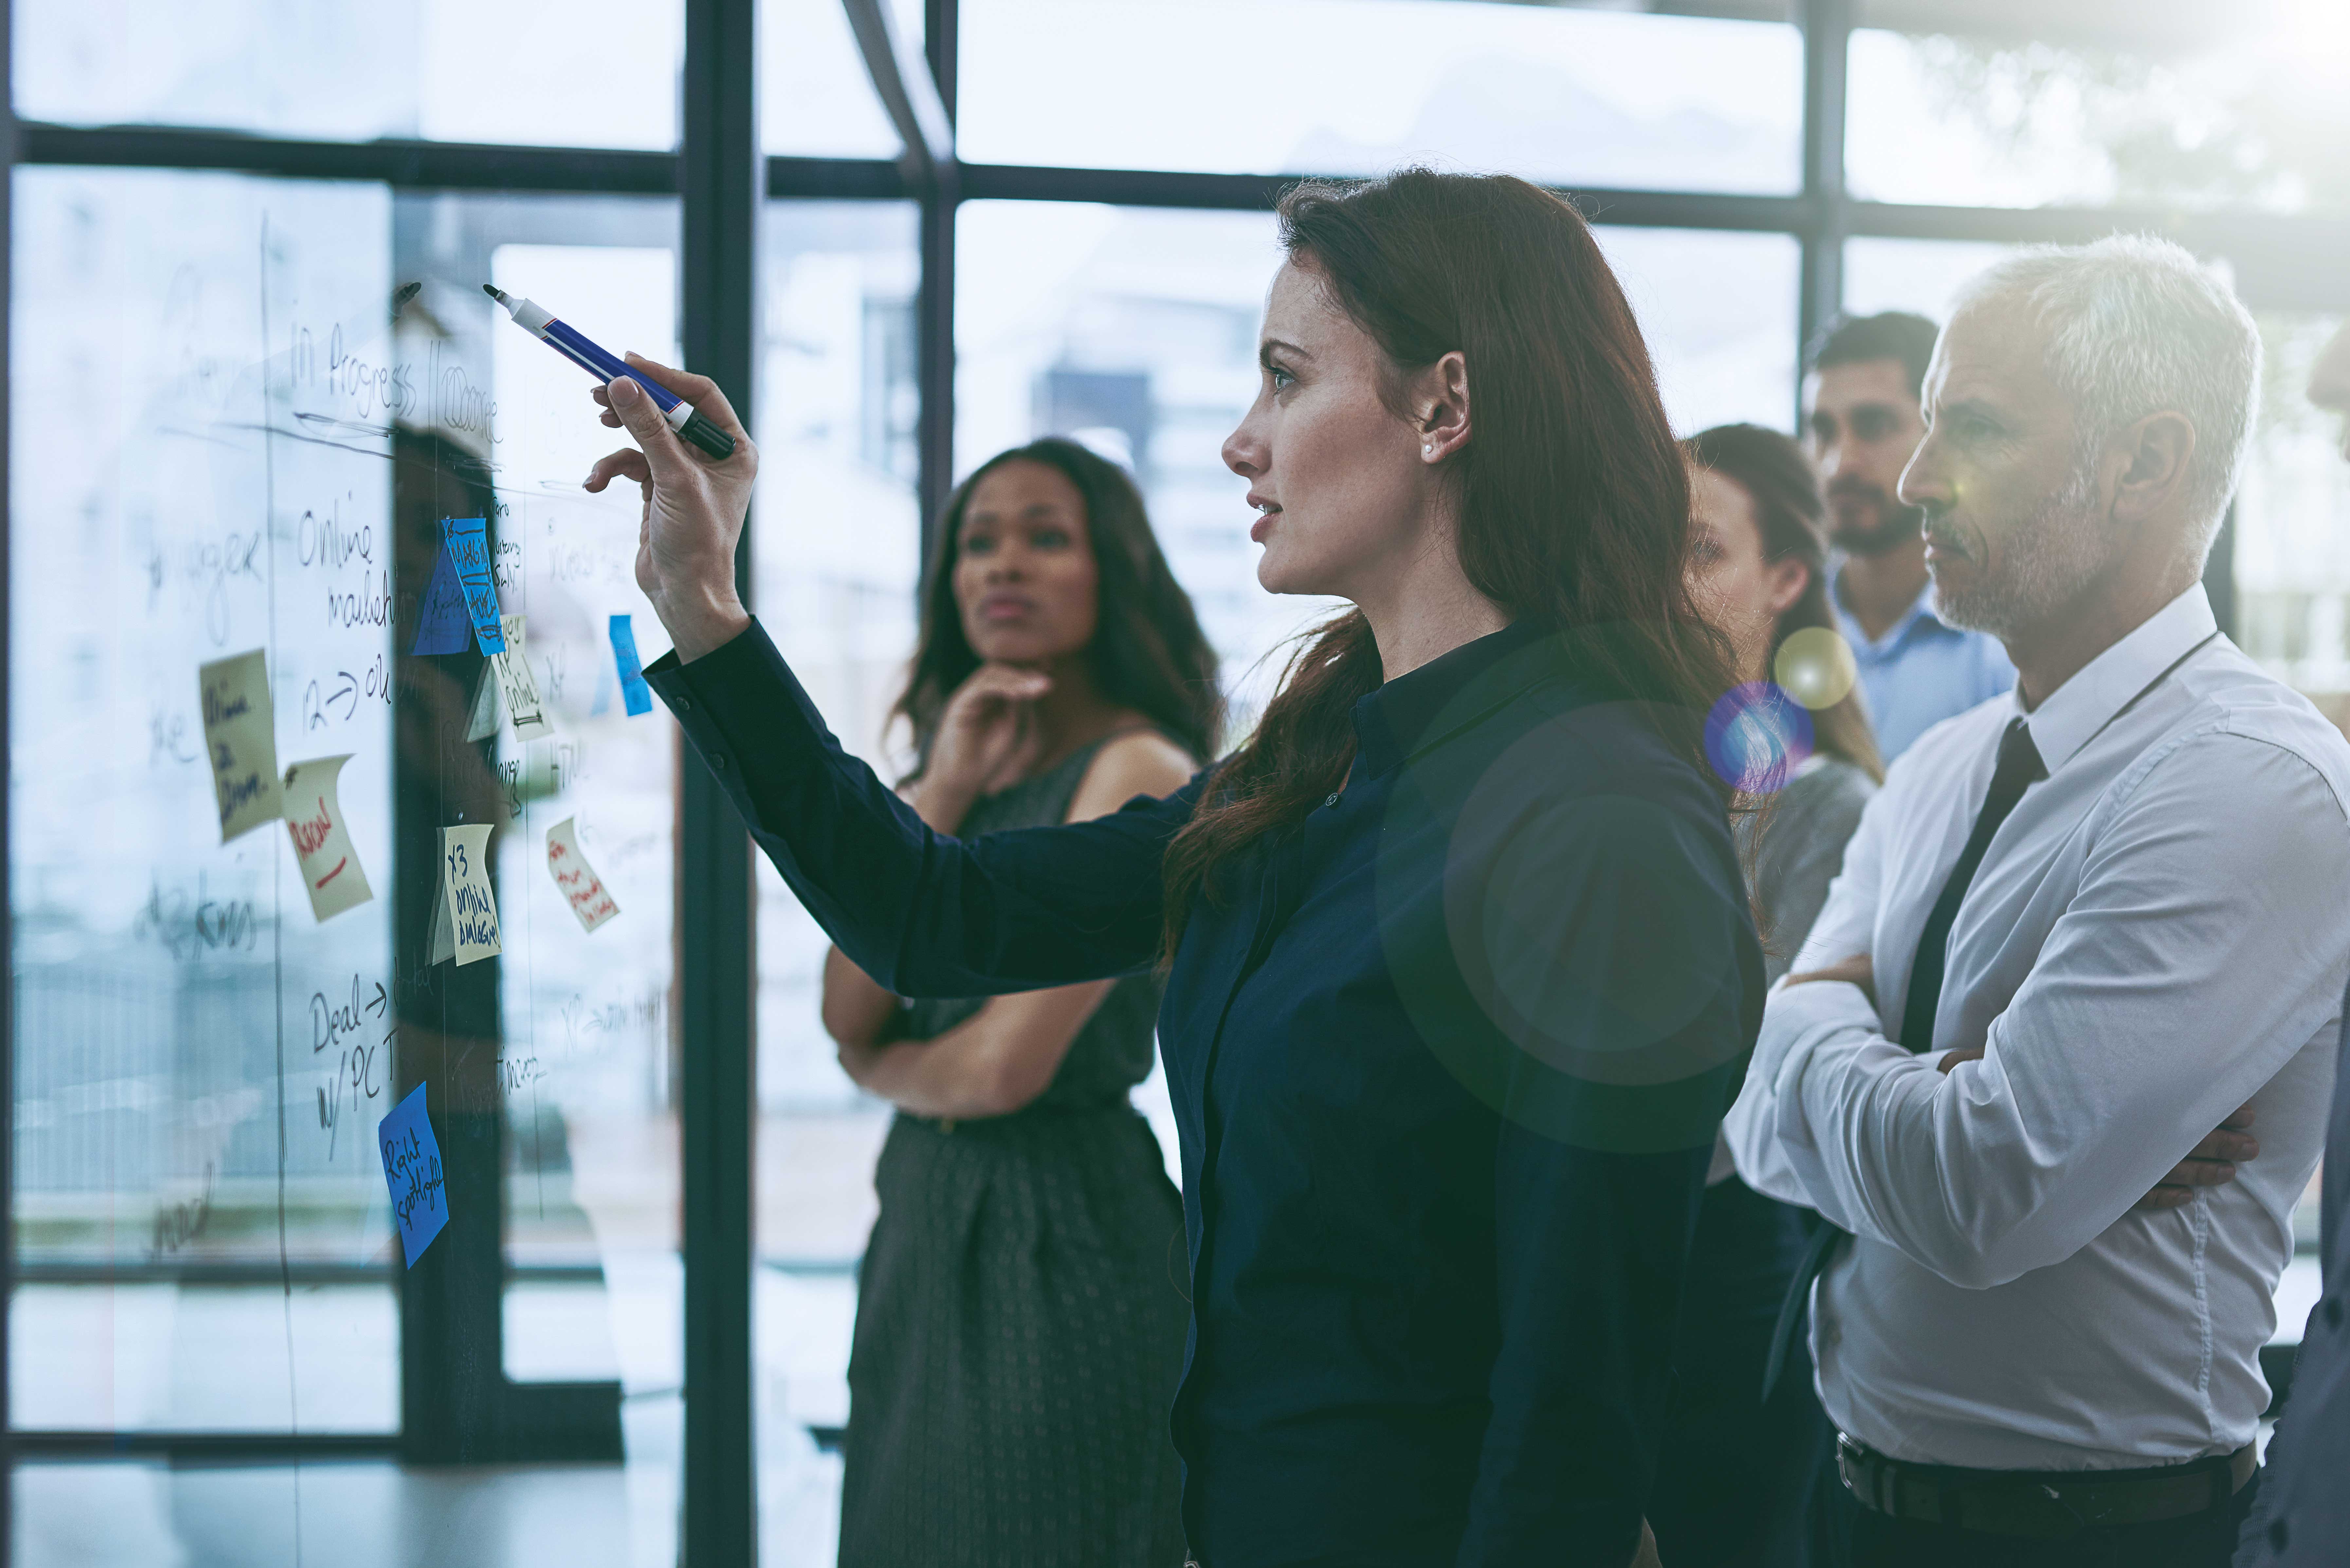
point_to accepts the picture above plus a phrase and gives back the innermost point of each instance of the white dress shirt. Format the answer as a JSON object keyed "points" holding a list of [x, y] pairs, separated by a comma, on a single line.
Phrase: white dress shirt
{"points": [[2159, 932]]}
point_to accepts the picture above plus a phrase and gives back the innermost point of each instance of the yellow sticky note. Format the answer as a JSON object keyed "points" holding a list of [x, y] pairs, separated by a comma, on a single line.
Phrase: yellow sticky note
{"points": [[581, 888], [240, 735], [472, 909], [331, 867], [518, 686]]}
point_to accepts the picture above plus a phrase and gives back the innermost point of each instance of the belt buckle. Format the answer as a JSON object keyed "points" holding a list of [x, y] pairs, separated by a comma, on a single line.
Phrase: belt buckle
{"points": [[1869, 1478]]}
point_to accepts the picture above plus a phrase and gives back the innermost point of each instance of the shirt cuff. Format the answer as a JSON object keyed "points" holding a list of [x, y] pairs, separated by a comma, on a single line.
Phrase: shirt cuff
{"points": [[745, 711], [1795, 1017]]}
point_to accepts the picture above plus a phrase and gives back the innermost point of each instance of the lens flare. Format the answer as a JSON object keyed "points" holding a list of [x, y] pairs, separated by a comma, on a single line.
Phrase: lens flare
{"points": [[1757, 736], [1816, 668]]}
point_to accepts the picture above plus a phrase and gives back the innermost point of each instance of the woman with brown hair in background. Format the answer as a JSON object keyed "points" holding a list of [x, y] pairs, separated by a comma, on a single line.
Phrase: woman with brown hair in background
{"points": [[1732, 1486], [1460, 973], [1018, 1326]]}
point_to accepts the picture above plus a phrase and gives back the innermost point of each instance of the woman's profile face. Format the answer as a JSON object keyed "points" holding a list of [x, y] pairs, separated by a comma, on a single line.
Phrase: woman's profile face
{"points": [[1735, 587], [1337, 476], [1024, 578]]}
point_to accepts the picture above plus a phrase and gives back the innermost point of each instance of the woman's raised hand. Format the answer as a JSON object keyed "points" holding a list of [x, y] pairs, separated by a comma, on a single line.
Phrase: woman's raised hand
{"points": [[986, 741], [694, 506]]}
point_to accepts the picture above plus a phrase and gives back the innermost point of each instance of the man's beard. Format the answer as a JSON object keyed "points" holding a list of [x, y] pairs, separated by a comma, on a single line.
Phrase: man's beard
{"points": [[2046, 565], [1882, 525]]}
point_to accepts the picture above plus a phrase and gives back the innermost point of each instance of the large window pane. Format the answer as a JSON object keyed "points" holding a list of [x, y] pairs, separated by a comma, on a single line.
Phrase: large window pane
{"points": [[1719, 312], [2254, 112], [2293, 524], [258, 436], [1922, 276], [837, 550], [816, 97], [2293, 608], [1133, 329], [176, 1104], [1355, 87], [568, 73]]}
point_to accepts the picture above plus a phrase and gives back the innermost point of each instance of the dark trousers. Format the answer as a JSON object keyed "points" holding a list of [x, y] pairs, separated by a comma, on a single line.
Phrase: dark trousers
{"points": [[1734, 1474], [1846, 1535]]}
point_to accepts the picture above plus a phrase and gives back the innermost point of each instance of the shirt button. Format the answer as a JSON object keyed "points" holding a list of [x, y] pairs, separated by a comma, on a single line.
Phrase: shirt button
{"points": [[683, 704], [1333, 797], [717, 762]]}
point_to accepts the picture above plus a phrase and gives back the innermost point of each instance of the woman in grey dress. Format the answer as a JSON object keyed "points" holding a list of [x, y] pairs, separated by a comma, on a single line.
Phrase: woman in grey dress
{"points": [[1732, 1481], [1022, 1308]]}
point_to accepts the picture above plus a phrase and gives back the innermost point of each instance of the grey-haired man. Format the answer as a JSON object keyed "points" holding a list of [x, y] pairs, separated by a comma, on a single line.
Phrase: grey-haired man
{"points": [[2081, 925]]}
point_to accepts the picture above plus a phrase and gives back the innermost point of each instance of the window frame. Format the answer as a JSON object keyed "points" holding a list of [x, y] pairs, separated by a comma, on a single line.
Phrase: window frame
{"points": [[722, 179]]}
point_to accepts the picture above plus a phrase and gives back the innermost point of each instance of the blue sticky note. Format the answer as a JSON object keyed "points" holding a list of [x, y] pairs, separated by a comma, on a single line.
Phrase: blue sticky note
{"points": [[633, 690], [441, 623], [603, 686], [412, 1168], [467, 541]]}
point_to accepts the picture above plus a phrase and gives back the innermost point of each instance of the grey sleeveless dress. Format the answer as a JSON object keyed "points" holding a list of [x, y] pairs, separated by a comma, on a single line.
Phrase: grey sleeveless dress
{"points": [[1022, 1308]]}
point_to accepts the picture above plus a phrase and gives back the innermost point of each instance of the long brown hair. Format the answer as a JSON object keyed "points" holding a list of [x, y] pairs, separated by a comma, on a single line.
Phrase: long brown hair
{"points": [[1148, 653], [1572, 498], [1791, 517]]}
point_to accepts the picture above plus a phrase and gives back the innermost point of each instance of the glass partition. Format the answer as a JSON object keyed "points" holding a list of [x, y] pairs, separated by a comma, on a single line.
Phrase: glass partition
{"points": [[1134, 330], [837, 551], [256, 439], [480, 70], [1357, 87], [1922, 276], [1719, 313], [2253, 113], [816, 97]]}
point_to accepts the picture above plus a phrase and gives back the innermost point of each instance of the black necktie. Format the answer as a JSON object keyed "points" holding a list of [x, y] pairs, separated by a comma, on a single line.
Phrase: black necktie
{"points": [[2018, 768]]}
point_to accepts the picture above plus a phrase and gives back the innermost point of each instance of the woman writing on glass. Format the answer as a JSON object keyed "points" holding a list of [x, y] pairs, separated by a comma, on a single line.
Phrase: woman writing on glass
{"points": [[1024, 1201], [1460, 974]]}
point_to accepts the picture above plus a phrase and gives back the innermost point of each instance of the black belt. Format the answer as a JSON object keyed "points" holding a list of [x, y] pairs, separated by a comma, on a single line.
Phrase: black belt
{"points": [[2045, 1505]]}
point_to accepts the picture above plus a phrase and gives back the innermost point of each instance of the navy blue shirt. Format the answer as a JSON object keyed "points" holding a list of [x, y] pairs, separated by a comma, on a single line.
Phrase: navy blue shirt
{"points": [[1446, 1058]]}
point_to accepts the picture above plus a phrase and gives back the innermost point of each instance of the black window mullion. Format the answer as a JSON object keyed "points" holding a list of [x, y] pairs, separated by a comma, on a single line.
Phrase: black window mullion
{"points": [[723, 179], [7, 842], [1828, 51], [402, 164], [934, 324]]}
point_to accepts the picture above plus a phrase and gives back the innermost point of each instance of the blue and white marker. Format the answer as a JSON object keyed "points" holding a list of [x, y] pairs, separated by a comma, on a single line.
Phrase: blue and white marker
{"points": [[572, 345]]}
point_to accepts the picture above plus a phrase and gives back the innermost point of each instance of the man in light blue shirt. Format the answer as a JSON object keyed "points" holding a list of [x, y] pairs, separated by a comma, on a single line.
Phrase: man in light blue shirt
{"points": [[1862, 420]]}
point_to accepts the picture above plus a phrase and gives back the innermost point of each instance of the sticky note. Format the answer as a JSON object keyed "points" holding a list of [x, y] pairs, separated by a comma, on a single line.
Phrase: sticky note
{"points": [[331, 867], [411, 1169], [467, 541], [473, 909], [582, 889], [633, 690], [240, 733], [484, 721], [605, 685], [441, 623], [518, 684], [444, 945]]}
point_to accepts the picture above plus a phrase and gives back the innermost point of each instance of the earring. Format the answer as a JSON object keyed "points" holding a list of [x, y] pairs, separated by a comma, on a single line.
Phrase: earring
{"points": [[1427, 451]]}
